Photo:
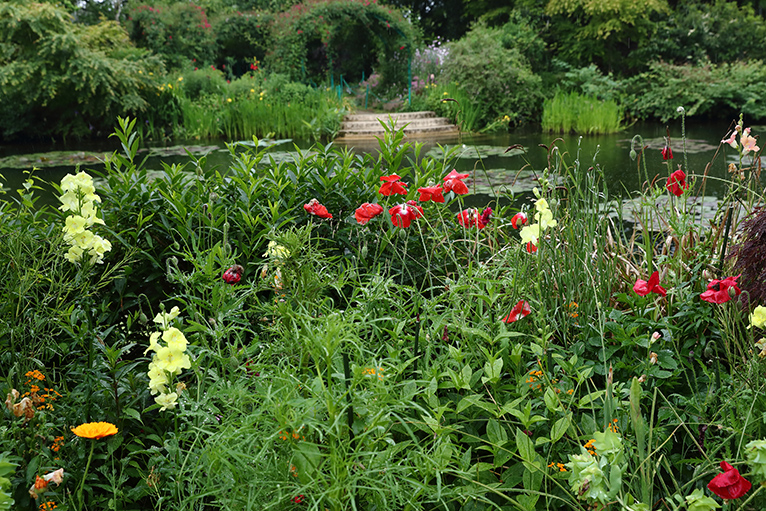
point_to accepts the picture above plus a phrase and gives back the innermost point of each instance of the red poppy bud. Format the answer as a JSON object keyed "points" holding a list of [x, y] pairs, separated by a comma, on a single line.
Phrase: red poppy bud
{"points": [[233, 274]]}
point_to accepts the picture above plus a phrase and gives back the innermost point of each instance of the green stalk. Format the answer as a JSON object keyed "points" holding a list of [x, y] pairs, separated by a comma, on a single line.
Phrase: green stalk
{"points": [[85, 474]]}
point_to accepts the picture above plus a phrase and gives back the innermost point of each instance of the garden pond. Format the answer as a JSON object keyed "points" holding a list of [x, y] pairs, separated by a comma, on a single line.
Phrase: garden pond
{"points": [[501, 165]]}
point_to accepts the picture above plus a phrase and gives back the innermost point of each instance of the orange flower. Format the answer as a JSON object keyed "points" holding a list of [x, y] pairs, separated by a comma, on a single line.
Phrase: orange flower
{"points": [[95, 430], [40, 483]]}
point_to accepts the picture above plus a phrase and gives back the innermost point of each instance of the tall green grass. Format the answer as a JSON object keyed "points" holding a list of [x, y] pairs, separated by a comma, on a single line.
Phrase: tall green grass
{"points": [[573, 112], [315, 115]]}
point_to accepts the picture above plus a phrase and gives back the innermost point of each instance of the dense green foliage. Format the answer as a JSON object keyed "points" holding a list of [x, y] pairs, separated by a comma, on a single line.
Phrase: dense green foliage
{"points": [[61, 78], [498, 61], [374, 366]]}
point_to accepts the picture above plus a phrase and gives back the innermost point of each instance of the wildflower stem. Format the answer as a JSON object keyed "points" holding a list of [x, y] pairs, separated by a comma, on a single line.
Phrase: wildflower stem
{"points": [[85, 475]]}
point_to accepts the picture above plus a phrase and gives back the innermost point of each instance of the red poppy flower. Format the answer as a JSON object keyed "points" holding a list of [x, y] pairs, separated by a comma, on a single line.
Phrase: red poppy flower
{"points": [[392, 185], [643, 288], [433, 193], [519, 219], [677, 183], [367, 212], [729, 485], [233, 275], [721, 291], [667, 153], [470, 217], [317, 209], [453, 182], [520, 310], [531, 247], [403, 214]]}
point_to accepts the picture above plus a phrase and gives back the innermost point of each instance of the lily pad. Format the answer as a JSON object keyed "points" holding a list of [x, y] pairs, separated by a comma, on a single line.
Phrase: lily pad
{"points": [[703, 209], [474, 151], [52, 159], [264, 142], [504, 181], [693, 146], [285, 156], [180, 150]]}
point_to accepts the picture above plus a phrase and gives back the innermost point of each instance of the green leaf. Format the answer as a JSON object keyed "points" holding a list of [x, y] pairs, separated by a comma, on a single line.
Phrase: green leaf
{"points": [[132, 412], [551, 401], [496, 433], [560, 427], [525, 446]]}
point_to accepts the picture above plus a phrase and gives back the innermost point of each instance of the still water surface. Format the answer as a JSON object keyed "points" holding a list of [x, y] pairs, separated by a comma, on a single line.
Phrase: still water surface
{"points": [[481, 155]]}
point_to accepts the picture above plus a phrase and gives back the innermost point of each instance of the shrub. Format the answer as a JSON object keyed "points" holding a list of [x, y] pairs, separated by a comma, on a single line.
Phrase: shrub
{"points": [[242, 40], [703, 90], [206, 81], [697, 33], [180, 32], [58, 78], [498, 80]]}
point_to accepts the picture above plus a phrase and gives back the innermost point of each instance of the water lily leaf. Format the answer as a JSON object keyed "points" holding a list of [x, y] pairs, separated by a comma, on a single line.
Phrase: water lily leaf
{"points": [[474, 151]]}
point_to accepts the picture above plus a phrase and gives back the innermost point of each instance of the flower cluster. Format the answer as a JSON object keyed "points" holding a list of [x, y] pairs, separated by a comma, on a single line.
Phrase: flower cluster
{"points": [[403, 214], [530, 234], [79, 197], [471, 218], [373, 371], [277, 255], [168, 360]]}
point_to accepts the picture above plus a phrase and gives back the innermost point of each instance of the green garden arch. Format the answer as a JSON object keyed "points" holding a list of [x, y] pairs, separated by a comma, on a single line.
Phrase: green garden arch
{"points": [[314, 40]]}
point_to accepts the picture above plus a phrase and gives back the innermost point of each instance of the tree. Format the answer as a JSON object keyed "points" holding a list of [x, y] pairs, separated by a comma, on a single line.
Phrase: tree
{"points": [[58, 78], [601, 31]]}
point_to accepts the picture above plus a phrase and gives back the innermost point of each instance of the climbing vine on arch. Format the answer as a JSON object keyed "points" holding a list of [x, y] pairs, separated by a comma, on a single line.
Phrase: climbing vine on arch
{"points": [[317, 38]]}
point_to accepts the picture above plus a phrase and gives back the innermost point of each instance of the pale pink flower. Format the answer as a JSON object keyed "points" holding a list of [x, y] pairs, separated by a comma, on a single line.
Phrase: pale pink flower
{"points": [[748, 142]]}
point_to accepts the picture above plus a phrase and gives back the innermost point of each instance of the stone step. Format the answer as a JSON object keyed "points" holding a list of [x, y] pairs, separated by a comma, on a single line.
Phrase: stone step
{"points": [[411, 124], [360, 126], [395, 116], [447, 130]]}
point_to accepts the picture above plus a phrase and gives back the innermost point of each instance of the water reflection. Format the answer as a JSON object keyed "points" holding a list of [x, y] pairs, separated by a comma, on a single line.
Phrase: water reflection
{"points": [[495, 172]]}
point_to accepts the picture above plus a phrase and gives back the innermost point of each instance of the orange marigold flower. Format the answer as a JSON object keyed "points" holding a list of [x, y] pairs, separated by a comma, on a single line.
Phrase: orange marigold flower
{"points": [[95, 430], [37, 375]]}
